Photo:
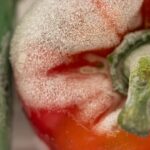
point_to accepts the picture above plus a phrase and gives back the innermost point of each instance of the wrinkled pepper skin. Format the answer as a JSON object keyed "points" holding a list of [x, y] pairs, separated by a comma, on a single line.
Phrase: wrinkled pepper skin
{"points": [[59, 86], [6, 22]]}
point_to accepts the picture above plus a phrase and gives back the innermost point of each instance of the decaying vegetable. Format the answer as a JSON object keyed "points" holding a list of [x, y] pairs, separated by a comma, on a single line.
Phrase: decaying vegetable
{"points": [[130, 69]]}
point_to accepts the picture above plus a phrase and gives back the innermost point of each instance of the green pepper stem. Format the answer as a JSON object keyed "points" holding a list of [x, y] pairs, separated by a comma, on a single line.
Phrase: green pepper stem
{"points": [[135, 117]]}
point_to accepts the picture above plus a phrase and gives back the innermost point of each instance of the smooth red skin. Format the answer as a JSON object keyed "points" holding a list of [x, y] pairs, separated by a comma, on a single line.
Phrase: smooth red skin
{"points": [[61, 132], [146, 13]]}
